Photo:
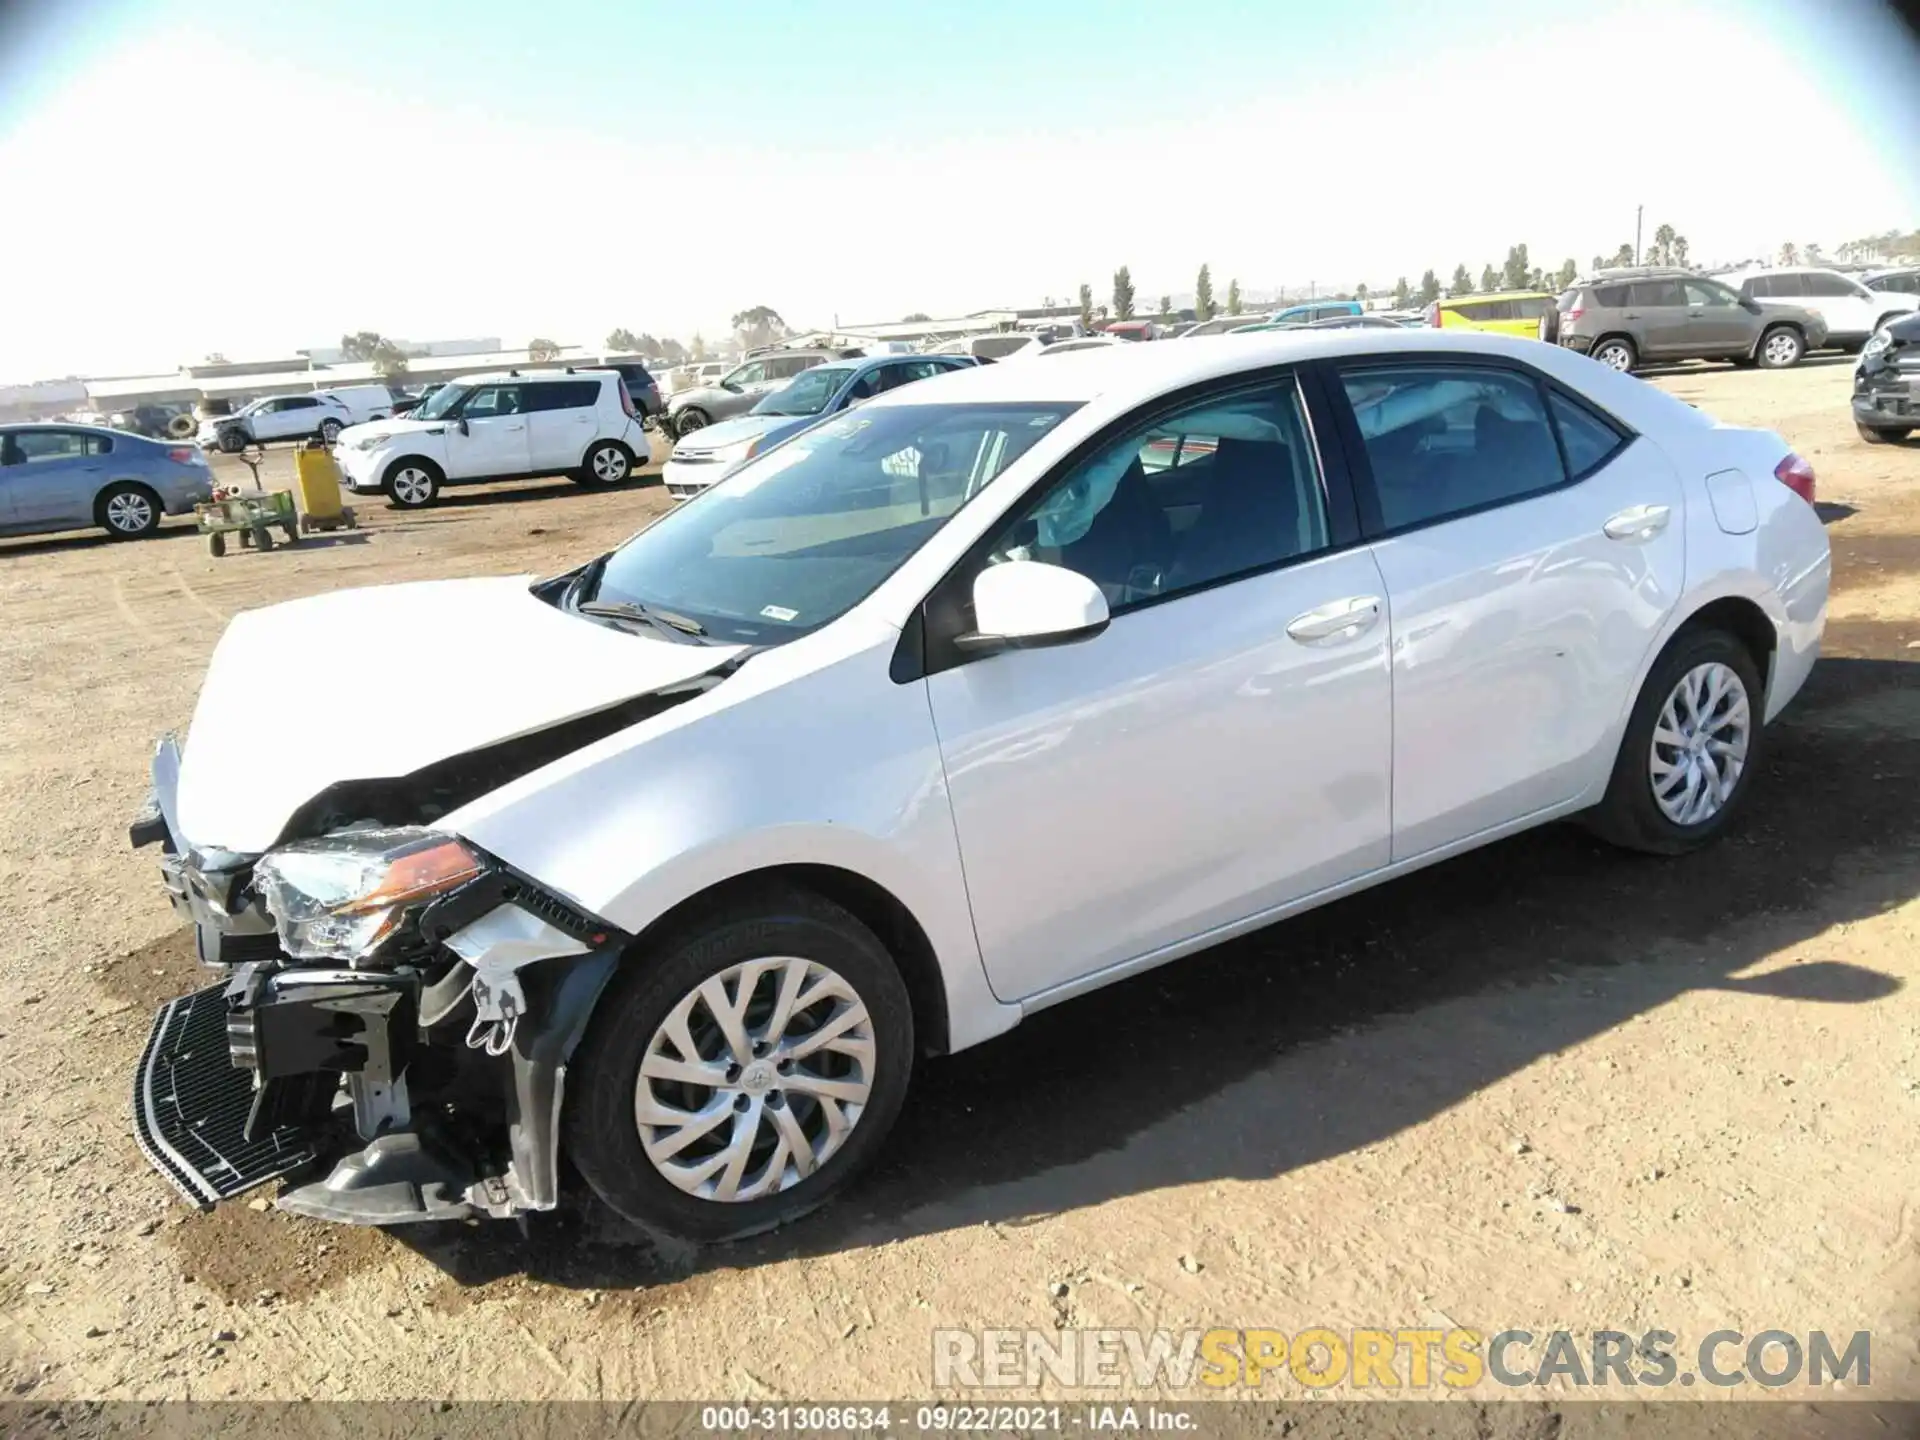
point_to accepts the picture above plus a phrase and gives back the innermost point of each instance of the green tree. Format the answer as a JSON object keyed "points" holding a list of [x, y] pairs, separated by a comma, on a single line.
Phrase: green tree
{"points": [[1360, 292], [1569, 272], [1462, 282], [1429, 288], [1400, 293], [1624, 255], [389, 360], [1598, 263], [1789, 254], [1166, 306], [1123, 294], [623, 341], [1514, 276], [1203, 306], [1663, 238], [1489, 279], [918, 317], [361, 344], [698, 350], [540, 350], [673, 350], [1233, 297], [760, 325], [1086, 307], [1536, 279], [1679, 249]]}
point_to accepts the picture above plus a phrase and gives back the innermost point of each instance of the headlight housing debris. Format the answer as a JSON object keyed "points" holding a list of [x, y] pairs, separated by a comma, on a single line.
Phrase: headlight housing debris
{"points": [[342, 896]]}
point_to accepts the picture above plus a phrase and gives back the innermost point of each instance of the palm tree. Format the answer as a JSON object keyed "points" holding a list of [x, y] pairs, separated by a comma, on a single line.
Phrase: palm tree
{"points": [[1663, 244], [1789, 253], [1680, 250]]}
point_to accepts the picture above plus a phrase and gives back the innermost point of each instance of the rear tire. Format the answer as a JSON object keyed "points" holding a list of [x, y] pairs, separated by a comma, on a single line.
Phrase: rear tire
{"points": [[216, 544], [1632, 814], [330, 431], [1550, 325], [1780, 347], [1616, 352], [606, 1091], [606, 463], [127, 511]]}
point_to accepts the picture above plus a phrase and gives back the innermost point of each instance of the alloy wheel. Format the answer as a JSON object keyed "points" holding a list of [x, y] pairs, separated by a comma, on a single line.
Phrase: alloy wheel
{"points": [[609, 463], [755, 1079], [1614, 357], [1782, 348], [413, 486], [129, 513], [1700, 744]]}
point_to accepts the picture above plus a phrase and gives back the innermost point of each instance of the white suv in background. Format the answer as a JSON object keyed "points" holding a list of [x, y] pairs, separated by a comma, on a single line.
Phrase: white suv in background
{"points": [[579, 423], [1851, 310]]}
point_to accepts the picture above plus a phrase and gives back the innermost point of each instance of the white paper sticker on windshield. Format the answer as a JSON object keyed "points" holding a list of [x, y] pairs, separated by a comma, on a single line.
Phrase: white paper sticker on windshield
{"points": [[778, 612]]}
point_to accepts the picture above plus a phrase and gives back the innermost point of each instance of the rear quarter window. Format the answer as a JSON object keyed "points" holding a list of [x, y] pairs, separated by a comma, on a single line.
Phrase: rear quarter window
{"points": [[1612, 297]]}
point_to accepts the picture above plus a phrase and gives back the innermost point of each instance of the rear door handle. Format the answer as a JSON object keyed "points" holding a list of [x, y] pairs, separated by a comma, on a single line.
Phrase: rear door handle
{"points": [[1338, 620], [1638, 522]]}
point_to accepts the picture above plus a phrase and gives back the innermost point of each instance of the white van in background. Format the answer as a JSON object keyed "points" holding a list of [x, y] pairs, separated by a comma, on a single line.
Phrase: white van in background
{"points": [[362, 402]]}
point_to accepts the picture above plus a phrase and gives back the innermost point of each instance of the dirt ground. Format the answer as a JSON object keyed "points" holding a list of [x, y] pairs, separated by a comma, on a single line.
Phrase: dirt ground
{"points": [[1545, 1086]]}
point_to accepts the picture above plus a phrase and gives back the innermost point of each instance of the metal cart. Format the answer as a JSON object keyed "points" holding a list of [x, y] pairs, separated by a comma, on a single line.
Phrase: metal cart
{"points": [[253, 517]]}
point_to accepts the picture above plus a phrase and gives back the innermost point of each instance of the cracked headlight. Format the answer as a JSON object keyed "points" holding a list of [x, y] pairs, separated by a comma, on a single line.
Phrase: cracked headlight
{"points": [[342, 896]]}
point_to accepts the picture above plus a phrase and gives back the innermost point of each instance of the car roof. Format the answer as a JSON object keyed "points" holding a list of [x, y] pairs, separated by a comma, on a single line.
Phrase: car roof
{"points": [[486, 377], [1151, 369], [1496, 295], [65, 425]]}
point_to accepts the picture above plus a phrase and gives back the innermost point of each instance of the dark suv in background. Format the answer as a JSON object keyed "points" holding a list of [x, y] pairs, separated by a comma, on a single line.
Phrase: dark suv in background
{"points": [[1625, 318]]}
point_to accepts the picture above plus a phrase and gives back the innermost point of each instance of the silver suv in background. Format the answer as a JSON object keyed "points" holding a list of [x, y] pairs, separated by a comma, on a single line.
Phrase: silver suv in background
{"points": [[740, 389], [1625, 318]]}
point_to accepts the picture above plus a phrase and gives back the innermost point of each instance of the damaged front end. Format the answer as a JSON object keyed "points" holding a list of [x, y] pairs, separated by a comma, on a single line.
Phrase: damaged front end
{"points": [[390, 1033]]}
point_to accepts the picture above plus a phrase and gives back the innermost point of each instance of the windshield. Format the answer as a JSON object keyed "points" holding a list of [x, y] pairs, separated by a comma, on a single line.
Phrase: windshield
{"points": [[808, 394], [436, 405], [794, 539]]}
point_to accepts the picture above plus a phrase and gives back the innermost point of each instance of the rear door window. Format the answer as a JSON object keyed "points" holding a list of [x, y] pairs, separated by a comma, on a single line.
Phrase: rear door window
{"points": [[1655, 294], [36, 446], [1445, 441]]}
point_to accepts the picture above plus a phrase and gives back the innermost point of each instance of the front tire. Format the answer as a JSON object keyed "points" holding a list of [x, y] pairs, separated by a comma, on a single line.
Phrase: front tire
{"points": [[742, 1072], [607, 463], [1780, 347], [689, 420], [1690, 748], [411, 484], [127, 511], [1616, 352], [1881, 437], [232, 442]]}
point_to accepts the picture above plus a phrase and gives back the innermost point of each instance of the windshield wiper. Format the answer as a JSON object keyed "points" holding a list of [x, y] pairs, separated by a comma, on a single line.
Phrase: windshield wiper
{"points": [[646, 614]]}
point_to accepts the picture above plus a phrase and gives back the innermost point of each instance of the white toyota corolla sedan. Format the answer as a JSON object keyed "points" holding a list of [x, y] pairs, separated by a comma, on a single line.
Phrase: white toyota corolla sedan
{"points": [[1002, 687]]}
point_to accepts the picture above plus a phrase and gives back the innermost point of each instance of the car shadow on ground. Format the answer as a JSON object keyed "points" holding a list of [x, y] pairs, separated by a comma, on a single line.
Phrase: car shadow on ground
{"points": [[1342, 1027], [78, 540], [466, 498], [1654, 370]]}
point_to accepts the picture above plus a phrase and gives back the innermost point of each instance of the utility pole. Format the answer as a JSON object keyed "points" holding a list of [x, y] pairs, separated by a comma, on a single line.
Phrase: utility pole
{"points": [[1638, 211]]}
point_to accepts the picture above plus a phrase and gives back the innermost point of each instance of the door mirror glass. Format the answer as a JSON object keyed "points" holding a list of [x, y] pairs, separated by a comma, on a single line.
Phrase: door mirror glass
{"points": [[1025, 604]]}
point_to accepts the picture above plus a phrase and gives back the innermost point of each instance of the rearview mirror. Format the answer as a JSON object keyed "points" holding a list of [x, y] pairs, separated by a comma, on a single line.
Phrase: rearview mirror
{"points": [[1028, 604]]}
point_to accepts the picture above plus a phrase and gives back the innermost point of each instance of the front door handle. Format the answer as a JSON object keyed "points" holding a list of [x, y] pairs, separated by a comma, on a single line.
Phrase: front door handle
{"points": [[1638, 522], [1340, 620]]}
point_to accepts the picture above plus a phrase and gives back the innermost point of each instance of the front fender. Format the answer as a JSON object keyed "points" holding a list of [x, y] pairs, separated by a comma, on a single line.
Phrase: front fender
{"points": [[808, 755]]}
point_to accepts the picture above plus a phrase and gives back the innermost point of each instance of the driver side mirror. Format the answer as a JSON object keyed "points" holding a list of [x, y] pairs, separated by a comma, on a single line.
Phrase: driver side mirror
{"points": [[1751, 305], [460, 424], [1029, 604]]}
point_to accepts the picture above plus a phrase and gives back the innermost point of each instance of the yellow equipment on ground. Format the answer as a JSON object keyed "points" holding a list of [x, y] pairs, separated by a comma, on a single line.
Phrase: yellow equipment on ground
{"points": [[316, 476]]}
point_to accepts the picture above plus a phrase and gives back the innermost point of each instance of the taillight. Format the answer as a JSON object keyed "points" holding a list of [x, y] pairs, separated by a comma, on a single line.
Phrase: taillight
{"points": [[1433, 316], [1797, 475], [626, 400], [182, 454], [1574, 314]]}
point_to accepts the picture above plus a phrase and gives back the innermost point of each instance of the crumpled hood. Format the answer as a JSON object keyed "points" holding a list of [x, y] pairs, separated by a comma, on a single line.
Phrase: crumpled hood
{"points": [[378, 682]]}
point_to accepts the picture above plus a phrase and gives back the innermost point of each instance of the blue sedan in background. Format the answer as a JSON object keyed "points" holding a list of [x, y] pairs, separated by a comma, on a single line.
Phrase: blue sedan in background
{"points": [[708, 455], [69, 477]]}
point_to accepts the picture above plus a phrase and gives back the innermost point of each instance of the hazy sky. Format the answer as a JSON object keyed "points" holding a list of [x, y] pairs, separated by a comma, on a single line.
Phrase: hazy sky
{"points": [[252, 176]]}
